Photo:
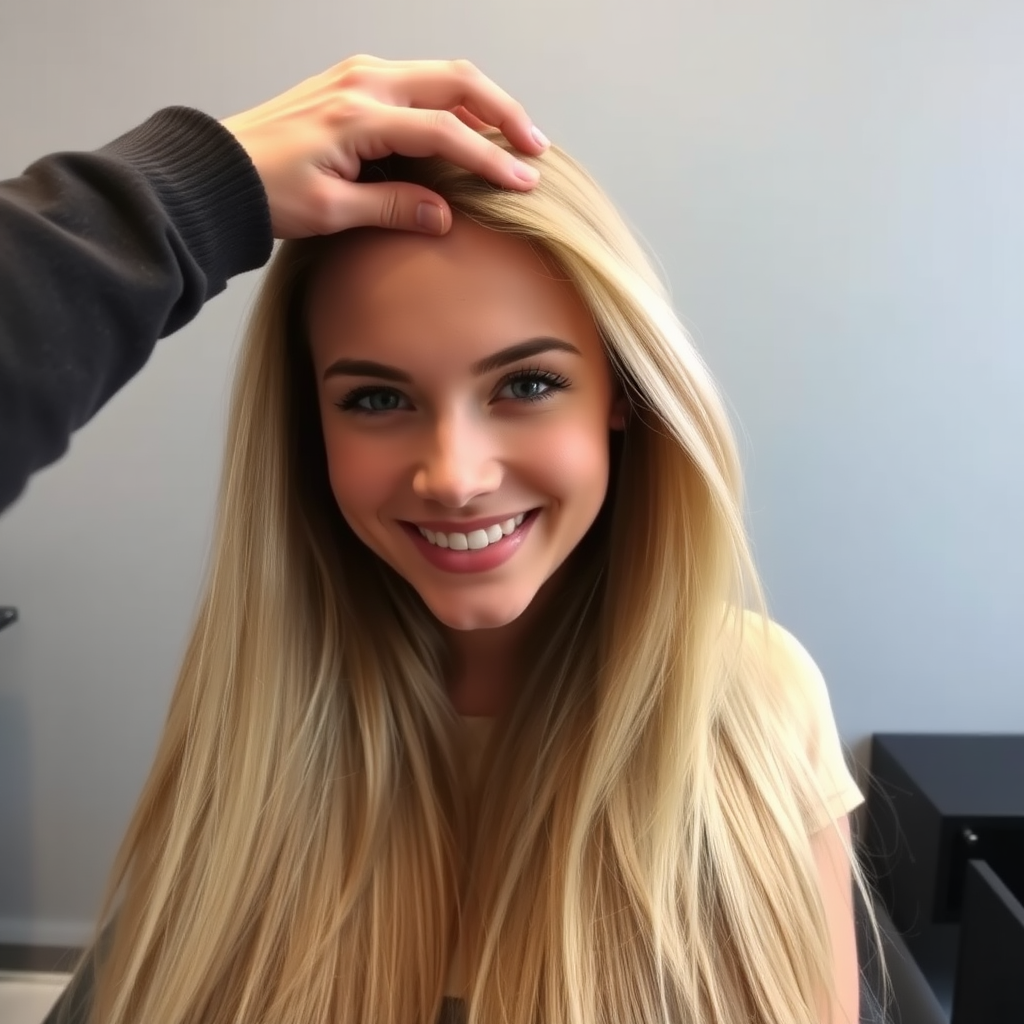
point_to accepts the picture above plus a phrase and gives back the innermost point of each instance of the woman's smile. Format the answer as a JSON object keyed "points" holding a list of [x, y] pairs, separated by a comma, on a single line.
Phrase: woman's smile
{"points": [[477, 547]]}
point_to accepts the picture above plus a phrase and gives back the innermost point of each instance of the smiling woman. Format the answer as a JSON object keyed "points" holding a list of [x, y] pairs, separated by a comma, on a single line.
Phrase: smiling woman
{"points": [[473, 720]]}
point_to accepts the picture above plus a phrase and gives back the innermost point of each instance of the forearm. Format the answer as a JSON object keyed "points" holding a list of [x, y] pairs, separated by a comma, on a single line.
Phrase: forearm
{"points": [[102, 254]]}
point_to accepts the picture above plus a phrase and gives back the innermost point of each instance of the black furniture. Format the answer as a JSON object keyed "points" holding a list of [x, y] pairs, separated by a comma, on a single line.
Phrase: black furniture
{"points": [[945, 837], [990, 972]]}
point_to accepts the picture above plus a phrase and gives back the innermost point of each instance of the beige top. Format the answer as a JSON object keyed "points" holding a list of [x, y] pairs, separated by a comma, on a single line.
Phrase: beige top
{"points": [[818, 723]]}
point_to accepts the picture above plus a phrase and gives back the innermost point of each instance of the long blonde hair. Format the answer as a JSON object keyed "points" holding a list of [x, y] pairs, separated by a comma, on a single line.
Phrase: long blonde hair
{"points": [[304, 850]]}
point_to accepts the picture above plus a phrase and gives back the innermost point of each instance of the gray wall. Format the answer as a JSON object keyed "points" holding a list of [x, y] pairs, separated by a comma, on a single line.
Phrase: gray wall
{"points": [[834, 191]]}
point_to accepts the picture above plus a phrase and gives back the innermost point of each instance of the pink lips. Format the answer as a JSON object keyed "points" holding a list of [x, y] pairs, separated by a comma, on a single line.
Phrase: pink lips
{"points": [[484, 560]]}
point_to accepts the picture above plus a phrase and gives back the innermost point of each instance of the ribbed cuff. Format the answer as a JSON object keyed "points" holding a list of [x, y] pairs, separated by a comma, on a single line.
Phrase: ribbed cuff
{"points": [[207, 184]]}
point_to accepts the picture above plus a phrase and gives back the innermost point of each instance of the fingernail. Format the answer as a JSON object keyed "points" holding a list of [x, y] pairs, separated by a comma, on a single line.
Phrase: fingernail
{"points": [[524, 172], [430, 217], [539, 137]]}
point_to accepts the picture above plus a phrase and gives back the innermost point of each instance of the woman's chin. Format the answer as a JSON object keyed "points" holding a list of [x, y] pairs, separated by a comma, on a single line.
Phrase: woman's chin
{"points": [[469, 617]]}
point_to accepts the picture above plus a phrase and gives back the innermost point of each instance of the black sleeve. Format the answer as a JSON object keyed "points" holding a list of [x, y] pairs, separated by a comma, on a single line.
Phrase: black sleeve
{"points": [[102, 254]]}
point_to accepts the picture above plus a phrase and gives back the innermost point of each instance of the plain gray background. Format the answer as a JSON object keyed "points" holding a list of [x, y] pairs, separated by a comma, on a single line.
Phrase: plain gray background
{"points": [[834, 192]]}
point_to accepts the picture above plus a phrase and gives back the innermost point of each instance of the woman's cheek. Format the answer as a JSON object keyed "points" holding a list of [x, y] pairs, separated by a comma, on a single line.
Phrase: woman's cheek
{"points": [[358, 473], [576, 460]]}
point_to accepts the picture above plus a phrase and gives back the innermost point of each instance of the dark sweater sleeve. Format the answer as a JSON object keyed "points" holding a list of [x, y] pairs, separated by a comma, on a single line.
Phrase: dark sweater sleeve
{"points": [[102, 254]]}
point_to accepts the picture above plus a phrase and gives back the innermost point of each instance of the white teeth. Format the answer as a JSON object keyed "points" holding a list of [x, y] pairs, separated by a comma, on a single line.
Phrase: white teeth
{"points": [[475, 540]]}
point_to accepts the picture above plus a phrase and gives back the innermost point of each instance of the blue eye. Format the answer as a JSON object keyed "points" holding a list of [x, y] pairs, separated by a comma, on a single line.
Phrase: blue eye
{"points": [[532, 385], [373, 400]]}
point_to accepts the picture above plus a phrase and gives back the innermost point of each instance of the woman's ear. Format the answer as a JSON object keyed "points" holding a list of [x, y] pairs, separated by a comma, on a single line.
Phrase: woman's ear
{"points": [[619, 414]]}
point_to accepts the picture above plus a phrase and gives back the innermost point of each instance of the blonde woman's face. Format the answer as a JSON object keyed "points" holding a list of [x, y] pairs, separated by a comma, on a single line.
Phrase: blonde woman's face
{"points": [[466, 402]]}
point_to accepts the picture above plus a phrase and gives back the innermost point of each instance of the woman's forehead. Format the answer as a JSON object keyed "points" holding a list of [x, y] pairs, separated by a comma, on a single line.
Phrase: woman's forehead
{"points": [[472, 288]]}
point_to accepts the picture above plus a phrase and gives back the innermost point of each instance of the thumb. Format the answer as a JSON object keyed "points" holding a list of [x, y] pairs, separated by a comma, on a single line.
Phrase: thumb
{"points": [[396, 205]]}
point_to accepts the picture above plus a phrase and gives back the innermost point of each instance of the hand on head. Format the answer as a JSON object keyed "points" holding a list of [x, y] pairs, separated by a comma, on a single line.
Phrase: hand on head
{"points": [[308, 144]]}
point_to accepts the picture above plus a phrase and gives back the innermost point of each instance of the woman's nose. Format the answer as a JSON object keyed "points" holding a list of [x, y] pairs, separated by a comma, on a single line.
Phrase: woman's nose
{"points": [[460, 463]]}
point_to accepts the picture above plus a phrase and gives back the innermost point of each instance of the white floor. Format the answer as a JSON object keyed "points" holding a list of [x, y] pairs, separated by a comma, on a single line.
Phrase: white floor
{"points": [[28, 998]]}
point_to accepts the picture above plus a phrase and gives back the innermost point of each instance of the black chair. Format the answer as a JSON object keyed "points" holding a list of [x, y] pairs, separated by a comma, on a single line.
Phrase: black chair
{"points": [[990, 963]]}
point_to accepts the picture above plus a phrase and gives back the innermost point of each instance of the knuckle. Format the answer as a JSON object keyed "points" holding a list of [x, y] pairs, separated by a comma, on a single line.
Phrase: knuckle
{"points": [[321, 204], [354, 79], [443, 121], [465, 68], [355, 62], [358, 72], [390, 210], [346, 109]]}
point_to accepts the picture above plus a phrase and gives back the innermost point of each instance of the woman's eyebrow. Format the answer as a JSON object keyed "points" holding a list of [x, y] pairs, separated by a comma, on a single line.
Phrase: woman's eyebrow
{"points": [[512, 354], [522, 350], [366, 368]]}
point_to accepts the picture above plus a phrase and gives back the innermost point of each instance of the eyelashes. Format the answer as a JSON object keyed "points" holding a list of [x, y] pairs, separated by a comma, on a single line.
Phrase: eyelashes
{"points": [[526, 385], [551, 382], [370, 399]]}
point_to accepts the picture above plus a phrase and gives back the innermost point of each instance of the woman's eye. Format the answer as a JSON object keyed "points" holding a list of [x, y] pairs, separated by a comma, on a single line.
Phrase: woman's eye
{"points": [[532, 386], [373, 400]]}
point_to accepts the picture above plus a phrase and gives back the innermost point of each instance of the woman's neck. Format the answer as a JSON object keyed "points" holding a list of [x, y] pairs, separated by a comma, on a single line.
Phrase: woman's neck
{"points": [[487, 665], [484, 674]]}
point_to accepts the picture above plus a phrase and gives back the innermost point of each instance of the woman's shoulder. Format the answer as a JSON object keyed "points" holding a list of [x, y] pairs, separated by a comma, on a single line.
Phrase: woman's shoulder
{"points": [[770, 650], [780, 670]]}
